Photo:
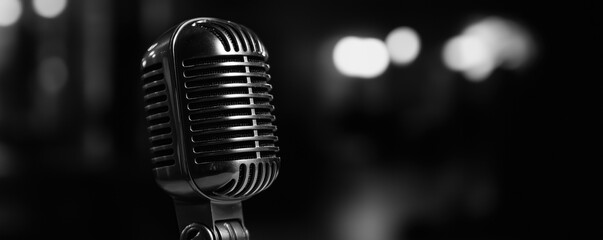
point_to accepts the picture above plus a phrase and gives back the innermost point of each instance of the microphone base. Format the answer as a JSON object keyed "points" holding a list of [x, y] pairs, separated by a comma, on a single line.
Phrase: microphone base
{"points": [[208, 220]]}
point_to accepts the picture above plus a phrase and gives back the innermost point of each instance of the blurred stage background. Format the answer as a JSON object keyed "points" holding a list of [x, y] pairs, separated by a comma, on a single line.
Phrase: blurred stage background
{"points": [[459, 137]]}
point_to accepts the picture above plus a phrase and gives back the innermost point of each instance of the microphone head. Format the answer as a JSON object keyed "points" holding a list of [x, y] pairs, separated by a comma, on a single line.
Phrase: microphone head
{"points": [[208, 110]]}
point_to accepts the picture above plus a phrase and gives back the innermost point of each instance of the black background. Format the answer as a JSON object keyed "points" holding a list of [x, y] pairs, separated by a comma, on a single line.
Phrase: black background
{"points": [[530, 133]]}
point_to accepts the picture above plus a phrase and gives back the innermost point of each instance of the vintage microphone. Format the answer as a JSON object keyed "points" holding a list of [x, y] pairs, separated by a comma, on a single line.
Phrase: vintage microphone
{"points": [[210, 123]]}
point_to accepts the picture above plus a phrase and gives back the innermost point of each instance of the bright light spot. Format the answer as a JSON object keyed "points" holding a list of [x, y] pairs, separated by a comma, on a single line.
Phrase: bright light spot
{"points": [[511, 43], [486, 45], [49, 8], [52, 74], [479, 72], [469, 54], [360, 57], [403, 44], [10, 11], [152, 46]]}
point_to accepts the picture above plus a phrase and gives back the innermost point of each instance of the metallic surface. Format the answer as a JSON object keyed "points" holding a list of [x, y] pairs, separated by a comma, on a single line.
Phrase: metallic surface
{"points": [[208, 108], [209, 111]]}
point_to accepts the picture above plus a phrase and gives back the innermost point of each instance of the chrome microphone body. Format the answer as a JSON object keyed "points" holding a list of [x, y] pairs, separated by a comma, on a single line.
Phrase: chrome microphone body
{"points": [[207, 102]]}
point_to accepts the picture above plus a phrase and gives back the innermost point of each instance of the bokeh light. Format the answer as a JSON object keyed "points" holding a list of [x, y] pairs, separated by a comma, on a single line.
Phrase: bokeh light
{"points": [[10, 11], [8, 46], [360, 57], [52, 74], [469, 54], [486, 45], [366, 218], [49, 8], [404, 45], [511, 43]]}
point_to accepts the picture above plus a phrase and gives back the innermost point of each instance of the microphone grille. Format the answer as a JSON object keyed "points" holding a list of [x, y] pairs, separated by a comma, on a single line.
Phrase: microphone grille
{"points": [[208, 107], [228, 108], [157, 114], [253, 178], [234, 37]]}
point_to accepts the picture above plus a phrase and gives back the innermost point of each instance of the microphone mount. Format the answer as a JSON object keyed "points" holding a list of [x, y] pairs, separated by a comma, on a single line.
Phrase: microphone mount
{"points": [[193, 219]]}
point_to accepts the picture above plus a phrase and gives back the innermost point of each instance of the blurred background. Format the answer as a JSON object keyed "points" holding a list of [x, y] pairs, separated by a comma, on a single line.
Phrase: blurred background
{"points": [[397, 119]]}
